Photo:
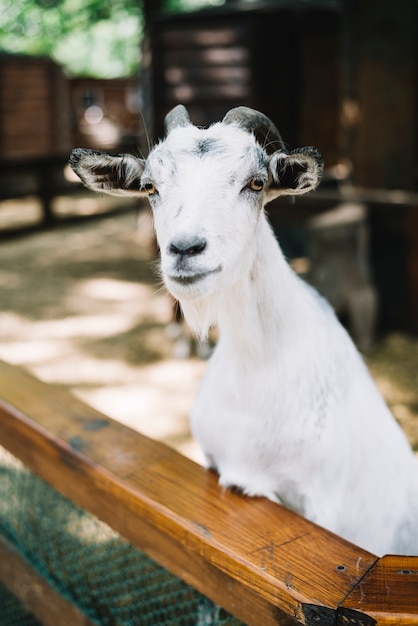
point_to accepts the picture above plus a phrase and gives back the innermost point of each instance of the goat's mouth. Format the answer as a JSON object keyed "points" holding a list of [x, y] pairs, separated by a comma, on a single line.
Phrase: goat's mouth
{"points": [[192, 279]]}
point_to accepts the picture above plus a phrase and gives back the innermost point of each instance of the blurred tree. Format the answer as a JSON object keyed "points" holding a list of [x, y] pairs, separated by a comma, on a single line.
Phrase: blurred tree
{"points": [[87, 37], [190, 5]]}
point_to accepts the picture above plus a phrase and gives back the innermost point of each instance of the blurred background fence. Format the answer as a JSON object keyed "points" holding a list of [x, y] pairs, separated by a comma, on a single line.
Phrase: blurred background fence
{"points": [[338, 75]]}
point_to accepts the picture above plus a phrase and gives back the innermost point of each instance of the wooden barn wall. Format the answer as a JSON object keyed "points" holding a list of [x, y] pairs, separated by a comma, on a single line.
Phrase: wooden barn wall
{"points": [[382, 85], [320, 85], [282, 63], [203, 64], [34, 108], [118, 100]]}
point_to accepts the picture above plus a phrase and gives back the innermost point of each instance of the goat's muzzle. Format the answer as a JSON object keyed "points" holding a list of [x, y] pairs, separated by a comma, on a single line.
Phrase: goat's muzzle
{"points": [[187, 247]]}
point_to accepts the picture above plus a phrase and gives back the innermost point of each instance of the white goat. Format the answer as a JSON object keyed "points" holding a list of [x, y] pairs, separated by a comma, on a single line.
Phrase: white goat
{"points": [[287, 408]]}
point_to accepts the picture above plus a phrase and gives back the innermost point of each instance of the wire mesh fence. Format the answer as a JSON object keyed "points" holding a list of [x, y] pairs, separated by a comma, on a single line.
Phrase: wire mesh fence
{"points": [[85, 561]]}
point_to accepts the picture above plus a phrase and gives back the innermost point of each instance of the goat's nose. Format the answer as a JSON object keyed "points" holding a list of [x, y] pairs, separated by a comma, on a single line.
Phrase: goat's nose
{"points": [[187, 246]]}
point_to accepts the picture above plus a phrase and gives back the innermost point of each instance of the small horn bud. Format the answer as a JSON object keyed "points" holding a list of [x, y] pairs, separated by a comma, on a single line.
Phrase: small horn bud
{"points": [[176, 117], [255, 122]]}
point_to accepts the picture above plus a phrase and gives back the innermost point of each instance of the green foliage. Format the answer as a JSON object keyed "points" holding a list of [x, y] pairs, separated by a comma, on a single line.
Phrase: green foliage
{"points": [[88, 37], [190, 5]]}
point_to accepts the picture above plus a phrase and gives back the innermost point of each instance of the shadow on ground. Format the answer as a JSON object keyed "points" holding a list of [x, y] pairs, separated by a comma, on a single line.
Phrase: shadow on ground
{"points": [[81, 306]]}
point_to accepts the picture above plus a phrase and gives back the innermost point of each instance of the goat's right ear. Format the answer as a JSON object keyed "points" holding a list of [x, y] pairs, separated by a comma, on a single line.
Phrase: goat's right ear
{"points": [[117, 175], [296, 172]]}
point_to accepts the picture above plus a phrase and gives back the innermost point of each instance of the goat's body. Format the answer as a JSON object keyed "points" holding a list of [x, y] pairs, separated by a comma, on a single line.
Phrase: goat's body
{"points": [[289, 411], [287, 408]]}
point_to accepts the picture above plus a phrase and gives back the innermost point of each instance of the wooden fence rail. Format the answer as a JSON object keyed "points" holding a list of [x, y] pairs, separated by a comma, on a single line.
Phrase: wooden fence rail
{"points": [[259, 561]]}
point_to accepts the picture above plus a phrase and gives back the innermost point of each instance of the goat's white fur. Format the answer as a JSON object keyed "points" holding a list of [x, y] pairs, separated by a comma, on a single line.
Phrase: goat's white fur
{"points": [[286, 409]]}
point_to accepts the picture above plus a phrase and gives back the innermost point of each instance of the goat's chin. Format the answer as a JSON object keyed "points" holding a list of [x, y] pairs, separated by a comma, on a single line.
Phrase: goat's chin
{"points": [[200, 315], [199, 305], [192, 288]]}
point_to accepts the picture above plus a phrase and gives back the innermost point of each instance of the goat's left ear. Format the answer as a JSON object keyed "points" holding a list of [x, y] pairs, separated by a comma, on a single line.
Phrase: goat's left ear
{"points": [[296, 172], [117, 175]]}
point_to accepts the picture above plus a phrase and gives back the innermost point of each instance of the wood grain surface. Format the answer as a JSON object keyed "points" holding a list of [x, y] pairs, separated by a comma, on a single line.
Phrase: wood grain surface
{"points": [[259, 561]]}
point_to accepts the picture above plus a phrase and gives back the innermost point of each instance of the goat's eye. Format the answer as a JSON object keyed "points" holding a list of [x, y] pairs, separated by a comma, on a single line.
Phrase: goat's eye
{"points": [[149, 188], [256, 184]]}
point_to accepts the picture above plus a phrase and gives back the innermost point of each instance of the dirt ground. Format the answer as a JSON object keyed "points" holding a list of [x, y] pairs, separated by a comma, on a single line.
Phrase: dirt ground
{"points": [[81, 305]]}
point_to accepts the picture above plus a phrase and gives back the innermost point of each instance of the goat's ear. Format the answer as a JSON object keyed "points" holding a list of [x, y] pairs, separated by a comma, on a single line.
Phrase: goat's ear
{"points": [[118, 175], [296, 172]]}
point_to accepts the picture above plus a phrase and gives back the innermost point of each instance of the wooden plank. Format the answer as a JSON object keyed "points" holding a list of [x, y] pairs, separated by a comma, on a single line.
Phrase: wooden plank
{"points": [[258, 560], [35, 116], [203, 37], [187, 93], [391, 584], [216, 57], [375, 199], [411, 234], [19, 577], [319, 98], [237, 74], [384, 66]]}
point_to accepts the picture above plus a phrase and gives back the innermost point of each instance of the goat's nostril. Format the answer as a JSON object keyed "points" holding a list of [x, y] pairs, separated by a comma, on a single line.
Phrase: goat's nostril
{"points": [[187, 247], [196, 248]]}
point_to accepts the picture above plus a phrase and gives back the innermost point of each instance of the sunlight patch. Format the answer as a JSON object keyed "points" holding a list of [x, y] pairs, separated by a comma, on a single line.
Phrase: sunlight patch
{"points": [[112, 289]]}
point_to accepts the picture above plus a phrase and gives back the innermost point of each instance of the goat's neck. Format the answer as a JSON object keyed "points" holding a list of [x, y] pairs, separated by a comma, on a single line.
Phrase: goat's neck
{"points": [[252, 314], [256, 312]]}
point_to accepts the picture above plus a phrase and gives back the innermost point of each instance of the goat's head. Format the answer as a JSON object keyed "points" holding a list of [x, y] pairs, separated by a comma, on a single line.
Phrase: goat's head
{"points": [[207, 189]]}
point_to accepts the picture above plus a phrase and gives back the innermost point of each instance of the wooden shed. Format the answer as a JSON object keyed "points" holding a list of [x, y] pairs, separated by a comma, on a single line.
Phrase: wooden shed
{"points": [[340, 75], [278, 57], [35, 116], [106, 113]]}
